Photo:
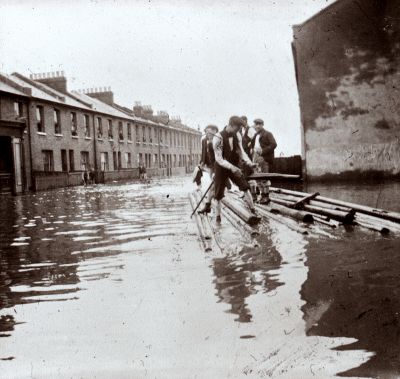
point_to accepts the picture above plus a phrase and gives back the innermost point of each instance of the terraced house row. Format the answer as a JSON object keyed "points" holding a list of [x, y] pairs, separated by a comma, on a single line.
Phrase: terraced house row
{"points": [[49, 136]]}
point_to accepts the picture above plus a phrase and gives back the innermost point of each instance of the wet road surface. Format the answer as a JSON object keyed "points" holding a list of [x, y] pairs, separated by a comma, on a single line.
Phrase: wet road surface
{"points": [[110, 282]]}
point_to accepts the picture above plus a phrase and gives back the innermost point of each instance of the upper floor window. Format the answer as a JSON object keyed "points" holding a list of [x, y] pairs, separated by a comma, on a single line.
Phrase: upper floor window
{"points": [[87, 126], [18, 109], [120, 131], [129, 127], [74, 124], [110, 129], [150, 134], [161, 136], [137, 133], [99, 127], [143, 134], [57, 122], [39, 118]]}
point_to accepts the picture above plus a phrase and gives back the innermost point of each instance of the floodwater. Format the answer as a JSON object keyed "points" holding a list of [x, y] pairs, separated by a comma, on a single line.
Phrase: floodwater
{"points": [[110, 281]]}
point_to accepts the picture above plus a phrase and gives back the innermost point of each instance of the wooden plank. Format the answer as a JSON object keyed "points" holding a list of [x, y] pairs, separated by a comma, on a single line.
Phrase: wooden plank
{"points": [[300, 203], [271, 175], [241, 211], [296, 214], [377, 212]]}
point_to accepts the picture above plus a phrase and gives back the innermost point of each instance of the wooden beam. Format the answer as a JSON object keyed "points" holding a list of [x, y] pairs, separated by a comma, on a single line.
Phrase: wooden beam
{"points": [[300, 203]]}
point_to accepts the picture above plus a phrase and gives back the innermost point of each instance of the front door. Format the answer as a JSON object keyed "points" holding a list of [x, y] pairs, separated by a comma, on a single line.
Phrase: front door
{"points": [[17, 158]]}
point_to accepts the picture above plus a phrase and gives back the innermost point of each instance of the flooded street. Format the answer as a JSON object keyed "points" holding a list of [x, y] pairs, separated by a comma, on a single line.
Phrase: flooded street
{"points": [[110, 281]]}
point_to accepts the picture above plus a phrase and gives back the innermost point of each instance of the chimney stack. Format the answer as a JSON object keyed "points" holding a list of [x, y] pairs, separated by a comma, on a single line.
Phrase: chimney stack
{"points": [[55, 80], [103, 94], [138, 109], [162, 117]]}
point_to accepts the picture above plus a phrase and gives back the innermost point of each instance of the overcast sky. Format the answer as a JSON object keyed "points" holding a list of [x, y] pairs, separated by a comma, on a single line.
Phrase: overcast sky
{"points": [[203, 60]]}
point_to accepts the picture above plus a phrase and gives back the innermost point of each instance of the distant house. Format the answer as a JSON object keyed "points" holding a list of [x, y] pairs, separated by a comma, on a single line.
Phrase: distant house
{"points": [[49, 136]]}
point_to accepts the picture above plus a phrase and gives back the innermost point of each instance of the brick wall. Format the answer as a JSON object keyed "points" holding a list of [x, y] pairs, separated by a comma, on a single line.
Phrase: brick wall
{"points": [[348, 73], [49, 140]]}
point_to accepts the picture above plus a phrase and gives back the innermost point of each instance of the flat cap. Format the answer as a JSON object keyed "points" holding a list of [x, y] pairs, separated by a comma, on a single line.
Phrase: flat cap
{"points": [[211, 127], [259, 121]]}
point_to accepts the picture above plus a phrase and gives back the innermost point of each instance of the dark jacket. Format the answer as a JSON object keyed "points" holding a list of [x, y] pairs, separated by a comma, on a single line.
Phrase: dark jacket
{"points": [[268, 145], [246, 141], [142, 169], [232, 156], [207, 153]]}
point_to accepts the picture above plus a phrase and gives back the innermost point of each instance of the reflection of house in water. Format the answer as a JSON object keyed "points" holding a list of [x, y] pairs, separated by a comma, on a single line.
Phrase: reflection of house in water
{"points": [[238, 277], [353, 290], [37, 264], [347, 60]]}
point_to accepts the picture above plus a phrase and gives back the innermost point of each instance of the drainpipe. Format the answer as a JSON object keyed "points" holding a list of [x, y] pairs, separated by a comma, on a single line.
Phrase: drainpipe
{"points": [[94, 144], [33, 186], [159, 147]]}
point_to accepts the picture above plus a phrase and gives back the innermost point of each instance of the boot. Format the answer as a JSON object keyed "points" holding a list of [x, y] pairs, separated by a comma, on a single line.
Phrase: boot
{"points": [[257, 217], [264, 199], [206, 209], [218, 219]]}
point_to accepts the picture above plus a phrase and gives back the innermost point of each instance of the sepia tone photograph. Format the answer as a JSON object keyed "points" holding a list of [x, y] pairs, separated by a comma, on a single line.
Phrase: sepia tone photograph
{"points": [[199, 189]]}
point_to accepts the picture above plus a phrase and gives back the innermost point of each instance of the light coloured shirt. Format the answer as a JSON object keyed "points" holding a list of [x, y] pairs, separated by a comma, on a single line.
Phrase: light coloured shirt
{"points": [[218, 149], [251, 132]]}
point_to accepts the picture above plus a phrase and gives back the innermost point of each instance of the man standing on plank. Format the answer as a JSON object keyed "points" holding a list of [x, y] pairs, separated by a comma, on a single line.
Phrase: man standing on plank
{"points": [[263, 145], [207, 162], [228, 150], [247, 136]]}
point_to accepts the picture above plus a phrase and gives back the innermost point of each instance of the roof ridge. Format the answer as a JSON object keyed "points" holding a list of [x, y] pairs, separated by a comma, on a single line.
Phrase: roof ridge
{"points": [[14, 85], [40, 86]]}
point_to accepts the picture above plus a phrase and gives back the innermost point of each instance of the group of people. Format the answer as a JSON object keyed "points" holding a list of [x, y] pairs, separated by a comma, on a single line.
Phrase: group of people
{"points": [[88, 177], [232, 155]]}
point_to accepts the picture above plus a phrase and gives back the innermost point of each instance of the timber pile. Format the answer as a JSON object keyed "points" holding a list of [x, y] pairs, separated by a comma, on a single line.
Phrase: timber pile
{"points": [[334, 212], [297, 210]]}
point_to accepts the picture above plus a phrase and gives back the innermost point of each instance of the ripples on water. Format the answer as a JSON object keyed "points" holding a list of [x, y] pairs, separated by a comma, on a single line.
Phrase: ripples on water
{"points": [[52, 242], [344, 290]]}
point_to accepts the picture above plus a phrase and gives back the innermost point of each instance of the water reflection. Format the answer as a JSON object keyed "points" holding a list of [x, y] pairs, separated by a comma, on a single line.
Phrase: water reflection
{"points": [[385, 195], [353, 290], [52, 242], [295, 298], [237, 276]]}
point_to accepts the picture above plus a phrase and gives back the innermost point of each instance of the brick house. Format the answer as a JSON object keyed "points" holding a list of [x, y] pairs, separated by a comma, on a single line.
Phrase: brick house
{"points": [[49, 136]]}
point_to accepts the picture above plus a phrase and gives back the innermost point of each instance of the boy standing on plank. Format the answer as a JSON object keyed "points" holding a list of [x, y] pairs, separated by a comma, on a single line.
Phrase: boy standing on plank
{"points": [[228, 151], [207, 162]]}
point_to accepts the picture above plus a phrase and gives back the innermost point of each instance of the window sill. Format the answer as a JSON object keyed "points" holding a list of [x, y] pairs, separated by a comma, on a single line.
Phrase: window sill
{"points": [[111, 140], [75, 137], [88, 138], [41, 133], [129, 141], [58, 135]]}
